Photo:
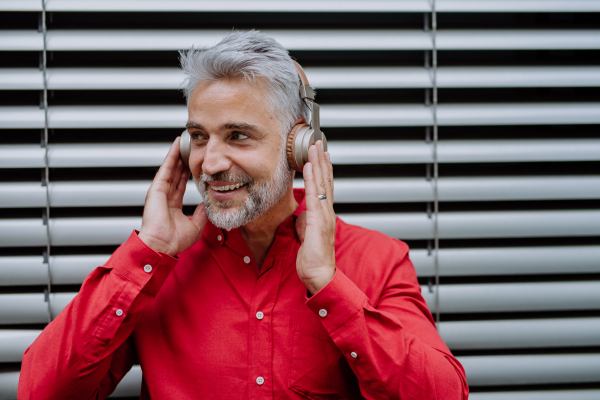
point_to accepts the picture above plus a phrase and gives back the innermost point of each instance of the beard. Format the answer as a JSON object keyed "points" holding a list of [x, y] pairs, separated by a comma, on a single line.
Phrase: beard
{"points": [[262, 195]]}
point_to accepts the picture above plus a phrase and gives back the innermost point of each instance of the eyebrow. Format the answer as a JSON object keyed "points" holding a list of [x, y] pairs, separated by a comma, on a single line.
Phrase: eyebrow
{"points": [[230, 125]]}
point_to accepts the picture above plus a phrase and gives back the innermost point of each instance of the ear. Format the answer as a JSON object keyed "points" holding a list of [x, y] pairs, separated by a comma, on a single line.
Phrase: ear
{"points": [[301, 226]]}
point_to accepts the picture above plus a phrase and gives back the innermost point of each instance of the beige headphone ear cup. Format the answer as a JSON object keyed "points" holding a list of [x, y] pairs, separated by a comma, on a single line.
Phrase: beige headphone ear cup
{"points": [[185, 147], [290, 147]]}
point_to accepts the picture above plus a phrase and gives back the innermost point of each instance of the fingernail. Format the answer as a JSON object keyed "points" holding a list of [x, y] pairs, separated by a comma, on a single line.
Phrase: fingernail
{"points": [[327, 155]]}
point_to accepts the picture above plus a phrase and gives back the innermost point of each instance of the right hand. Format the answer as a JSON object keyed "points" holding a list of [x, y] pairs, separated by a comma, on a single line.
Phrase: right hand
{"points": [[164, 226]]}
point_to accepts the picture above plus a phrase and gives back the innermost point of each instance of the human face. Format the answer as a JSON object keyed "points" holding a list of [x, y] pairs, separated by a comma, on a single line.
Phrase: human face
{"points": [[237, 157]]}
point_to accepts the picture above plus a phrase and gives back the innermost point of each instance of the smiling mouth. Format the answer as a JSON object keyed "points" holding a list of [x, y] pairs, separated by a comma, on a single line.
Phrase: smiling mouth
{"points": [[227, 188]]}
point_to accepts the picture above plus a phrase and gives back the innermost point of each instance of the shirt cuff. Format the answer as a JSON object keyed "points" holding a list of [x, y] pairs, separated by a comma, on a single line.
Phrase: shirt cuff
{"points": [[138, 263], [337, 302]]}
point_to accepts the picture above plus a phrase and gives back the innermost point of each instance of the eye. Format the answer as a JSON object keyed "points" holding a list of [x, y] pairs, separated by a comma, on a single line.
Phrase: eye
{"points": [[197, 136], [239, 136]]}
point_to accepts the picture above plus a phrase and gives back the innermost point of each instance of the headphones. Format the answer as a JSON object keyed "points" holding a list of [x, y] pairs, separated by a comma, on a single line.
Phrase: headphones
{"points": [[300, 138]]}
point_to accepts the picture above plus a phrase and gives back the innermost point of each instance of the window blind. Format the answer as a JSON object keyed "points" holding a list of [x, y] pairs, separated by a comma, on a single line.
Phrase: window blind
{"points": [[467, 128]]}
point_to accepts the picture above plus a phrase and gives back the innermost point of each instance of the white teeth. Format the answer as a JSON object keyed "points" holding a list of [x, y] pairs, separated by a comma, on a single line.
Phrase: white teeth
{"points": [[227, 187]]}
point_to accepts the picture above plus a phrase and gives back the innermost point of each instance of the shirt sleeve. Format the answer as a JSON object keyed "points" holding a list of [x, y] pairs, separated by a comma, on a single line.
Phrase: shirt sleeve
{"points": [[393, 346], [87, 349]]}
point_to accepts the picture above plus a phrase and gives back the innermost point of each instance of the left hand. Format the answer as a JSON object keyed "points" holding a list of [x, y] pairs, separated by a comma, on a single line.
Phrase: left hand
{"points": [[315, 262]]}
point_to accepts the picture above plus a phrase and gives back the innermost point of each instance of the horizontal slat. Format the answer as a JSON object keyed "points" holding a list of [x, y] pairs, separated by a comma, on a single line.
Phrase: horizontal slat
{"points": [[22, 194], [21, 78], [393, 190], [517, 39], [481, 151], [310, 39], [509, 261], [515, 297], [72, 270], [342, 152], [358, 115], [14, 342], [9, 382], [23, 309], [84, 194], [482, 224], [21, 40], [68, 270], [506, 77], [576, 394], [531, 369], [468, 335], [306, 6], [516, 6], [464, 225], [347, 190], [518, 188], [23, 271], [21, 5], [518, 114], [64, 270], [222, 6], [128, 387], [22, 233], [21, 117], [321, 78], [511, 334]]}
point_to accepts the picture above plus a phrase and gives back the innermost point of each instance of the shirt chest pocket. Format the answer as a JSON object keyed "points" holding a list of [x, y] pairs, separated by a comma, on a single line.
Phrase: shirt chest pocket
{"points": [[318, 369]]}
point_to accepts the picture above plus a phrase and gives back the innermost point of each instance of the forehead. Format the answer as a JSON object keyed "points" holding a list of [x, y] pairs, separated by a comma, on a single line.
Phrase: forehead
{"points": [[228, 97]]}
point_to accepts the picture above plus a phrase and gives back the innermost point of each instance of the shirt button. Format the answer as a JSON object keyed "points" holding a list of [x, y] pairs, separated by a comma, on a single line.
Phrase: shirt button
{"points": [[219, 238], [323, 312], [354, 355], [260, 380], [147, 268], [247, 260], [119, 312], [260, 315]]}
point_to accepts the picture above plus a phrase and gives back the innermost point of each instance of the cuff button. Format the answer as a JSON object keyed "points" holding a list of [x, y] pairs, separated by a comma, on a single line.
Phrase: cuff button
{"points": [[119, 312], [147, 268], [323, 312]]}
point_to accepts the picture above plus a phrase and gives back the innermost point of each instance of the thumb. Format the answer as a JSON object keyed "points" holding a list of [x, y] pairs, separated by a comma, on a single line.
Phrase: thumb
{"points": [[200, 218], [301, 226]]}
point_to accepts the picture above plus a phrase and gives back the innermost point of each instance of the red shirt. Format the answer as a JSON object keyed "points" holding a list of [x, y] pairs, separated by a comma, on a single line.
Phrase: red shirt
{"points": [[211, 325]]}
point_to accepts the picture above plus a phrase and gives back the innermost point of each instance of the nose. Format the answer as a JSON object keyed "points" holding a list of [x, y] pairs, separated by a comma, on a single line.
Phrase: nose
{"points": [[215, 157]]}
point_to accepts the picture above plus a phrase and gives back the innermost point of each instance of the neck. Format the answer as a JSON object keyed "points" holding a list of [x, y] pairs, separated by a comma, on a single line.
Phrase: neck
{"points": [[260, 233]]}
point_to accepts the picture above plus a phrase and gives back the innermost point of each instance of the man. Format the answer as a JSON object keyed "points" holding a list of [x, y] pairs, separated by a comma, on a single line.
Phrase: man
{"points": [[263, 292]]}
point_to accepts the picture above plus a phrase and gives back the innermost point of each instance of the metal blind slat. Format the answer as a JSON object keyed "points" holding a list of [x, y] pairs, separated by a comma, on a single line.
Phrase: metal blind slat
{"points": [[535, 369]]}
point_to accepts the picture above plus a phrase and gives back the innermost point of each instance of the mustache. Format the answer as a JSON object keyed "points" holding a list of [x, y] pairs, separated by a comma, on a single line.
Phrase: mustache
{"points": [[226, 176]]}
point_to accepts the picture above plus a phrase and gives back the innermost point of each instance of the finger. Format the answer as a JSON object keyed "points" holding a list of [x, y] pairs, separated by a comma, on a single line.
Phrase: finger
{"points": [[175, 177], [330, 167], [165, 172], [312, 201], [327, 176], [181, 185], [313, 157]]}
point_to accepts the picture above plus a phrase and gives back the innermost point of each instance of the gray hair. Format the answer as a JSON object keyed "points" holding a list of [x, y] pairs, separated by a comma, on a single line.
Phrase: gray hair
{"points": [[250, 55]]}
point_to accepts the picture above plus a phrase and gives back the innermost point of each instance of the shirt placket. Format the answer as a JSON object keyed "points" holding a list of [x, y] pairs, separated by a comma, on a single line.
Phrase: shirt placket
{"points": [[260, 331]]}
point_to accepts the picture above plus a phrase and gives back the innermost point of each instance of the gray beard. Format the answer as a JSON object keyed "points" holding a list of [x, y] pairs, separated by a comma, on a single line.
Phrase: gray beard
{"points": [[261, 196]]}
